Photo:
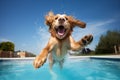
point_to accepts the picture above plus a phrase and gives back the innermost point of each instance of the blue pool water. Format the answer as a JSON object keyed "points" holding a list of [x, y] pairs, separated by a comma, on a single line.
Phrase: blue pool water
{"points": [[74, 69]]}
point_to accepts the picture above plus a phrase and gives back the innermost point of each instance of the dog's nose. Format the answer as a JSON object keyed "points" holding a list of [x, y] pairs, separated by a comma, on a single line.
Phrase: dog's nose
{"points": [[61, 20]]}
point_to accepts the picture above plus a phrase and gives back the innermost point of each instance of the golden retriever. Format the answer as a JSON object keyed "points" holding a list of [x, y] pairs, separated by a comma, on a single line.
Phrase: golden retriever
{"points": [[60, 27]]}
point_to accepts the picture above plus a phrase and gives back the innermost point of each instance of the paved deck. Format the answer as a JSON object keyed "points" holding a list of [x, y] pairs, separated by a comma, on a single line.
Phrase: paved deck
{"points": [[27, 58], [100, 57], [72, 57]]}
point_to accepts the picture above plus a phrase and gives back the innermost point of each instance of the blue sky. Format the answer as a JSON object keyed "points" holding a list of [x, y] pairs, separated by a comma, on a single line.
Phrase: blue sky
{"points": [[22, 21]]}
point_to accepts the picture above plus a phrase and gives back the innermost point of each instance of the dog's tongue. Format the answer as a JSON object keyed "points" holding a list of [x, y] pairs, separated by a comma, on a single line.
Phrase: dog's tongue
{"points": [[61, 32]]}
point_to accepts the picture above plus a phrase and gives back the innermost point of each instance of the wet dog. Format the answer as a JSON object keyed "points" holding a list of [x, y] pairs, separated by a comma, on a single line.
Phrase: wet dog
{"points": [[60, 28]]}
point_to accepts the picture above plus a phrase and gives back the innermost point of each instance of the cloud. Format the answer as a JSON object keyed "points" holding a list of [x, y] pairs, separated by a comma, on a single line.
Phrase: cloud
{"points": [[101, 23], [5, 40], [94, 28]]}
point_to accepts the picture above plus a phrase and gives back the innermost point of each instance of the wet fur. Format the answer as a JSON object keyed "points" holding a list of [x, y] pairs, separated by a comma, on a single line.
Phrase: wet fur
{"points": [[57, 47]]}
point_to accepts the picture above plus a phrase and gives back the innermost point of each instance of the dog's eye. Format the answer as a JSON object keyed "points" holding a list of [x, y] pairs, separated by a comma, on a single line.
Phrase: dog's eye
{"points": [[66, 18], [56, 18]]}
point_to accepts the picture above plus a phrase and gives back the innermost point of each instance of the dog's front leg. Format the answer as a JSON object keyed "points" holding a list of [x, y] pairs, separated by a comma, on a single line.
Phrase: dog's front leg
{"points": [[81, 43], [41, 58]]}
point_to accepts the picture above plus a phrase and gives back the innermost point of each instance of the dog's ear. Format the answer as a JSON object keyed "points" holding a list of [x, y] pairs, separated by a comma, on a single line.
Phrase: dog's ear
{"points": [[49, 18], [74, 22]]}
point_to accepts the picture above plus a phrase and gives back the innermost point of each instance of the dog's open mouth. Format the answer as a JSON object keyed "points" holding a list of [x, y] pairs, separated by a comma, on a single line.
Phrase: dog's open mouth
{"points": [[60, 30]]}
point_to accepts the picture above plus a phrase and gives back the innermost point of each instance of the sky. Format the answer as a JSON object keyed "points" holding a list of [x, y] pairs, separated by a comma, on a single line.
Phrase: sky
{"points": [[22, 21]]}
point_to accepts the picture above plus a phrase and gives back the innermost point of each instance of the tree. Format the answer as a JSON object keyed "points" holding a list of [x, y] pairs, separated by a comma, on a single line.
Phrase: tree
{"points": [[7, 46], [107, 42]]}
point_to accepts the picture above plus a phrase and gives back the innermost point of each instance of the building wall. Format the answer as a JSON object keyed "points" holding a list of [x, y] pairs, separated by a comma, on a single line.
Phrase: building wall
{"points": [[22, 54], [6, 54]]}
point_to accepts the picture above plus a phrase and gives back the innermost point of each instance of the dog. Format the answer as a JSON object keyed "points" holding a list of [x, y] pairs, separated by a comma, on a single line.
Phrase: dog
{"points": [[60, 28]]}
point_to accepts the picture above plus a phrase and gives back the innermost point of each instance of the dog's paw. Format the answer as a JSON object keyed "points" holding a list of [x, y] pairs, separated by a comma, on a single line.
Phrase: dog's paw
{"points": [[87, 39], [39, 61]]}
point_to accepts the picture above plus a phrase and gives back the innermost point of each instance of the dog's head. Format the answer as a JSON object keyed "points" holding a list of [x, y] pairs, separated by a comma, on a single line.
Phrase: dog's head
{"points": [[61, 25]]}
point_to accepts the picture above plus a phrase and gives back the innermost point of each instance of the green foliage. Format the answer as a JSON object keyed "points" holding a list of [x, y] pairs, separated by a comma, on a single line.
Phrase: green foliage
{"points": [[29, 54], [107, 42], [7, 46]]}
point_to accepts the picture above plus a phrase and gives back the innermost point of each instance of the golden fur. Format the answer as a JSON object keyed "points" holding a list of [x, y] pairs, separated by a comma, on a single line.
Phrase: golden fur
{"points": [[60, 27]]}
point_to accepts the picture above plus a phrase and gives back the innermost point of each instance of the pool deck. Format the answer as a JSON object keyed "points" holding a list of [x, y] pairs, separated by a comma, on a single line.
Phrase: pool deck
{"points": [[72, 57], [100, 56], [26, 58]]}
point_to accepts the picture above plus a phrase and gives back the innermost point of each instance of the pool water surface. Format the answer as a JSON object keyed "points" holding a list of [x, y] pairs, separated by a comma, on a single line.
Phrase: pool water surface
{"points": [[73, 69]]}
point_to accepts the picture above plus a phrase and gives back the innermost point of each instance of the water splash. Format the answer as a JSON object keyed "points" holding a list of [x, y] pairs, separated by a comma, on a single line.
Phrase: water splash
{"points": [[53, 74]]}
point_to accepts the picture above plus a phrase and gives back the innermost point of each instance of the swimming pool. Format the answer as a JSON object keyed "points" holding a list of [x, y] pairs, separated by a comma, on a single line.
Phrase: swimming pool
{"points": [[74, 69]]}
